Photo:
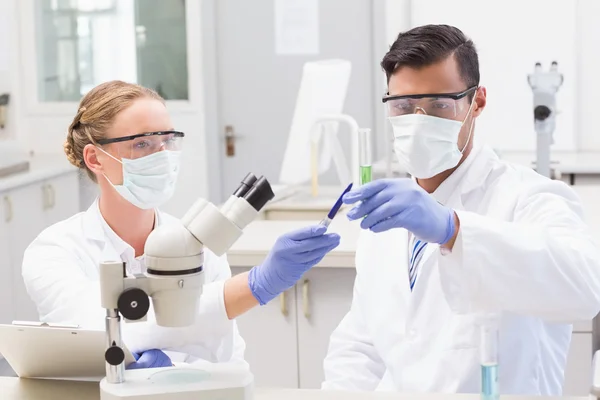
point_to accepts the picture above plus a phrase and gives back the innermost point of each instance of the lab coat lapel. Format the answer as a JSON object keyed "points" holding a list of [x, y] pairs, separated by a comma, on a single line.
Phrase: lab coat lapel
{"points": [[93, 231], [381, 260]]}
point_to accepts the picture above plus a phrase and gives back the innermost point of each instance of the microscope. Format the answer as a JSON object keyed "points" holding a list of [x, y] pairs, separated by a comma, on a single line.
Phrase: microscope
{"points": [[544, 84], [173, 280]]}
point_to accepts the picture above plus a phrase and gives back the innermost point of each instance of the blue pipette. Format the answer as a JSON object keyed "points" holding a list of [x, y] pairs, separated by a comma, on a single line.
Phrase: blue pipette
{"points": [[336, 207]]}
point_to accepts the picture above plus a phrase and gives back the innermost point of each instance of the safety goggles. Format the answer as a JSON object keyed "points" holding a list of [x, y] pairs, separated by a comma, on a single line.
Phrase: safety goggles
{"points": [[144, 144], [442, 105]]}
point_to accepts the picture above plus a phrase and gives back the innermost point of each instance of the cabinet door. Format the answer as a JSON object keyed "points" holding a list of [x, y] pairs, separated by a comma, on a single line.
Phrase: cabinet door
{"points": [[27, 222], [578, 371], [6, 270], [61, 197], [324, 296], [271, 341]]}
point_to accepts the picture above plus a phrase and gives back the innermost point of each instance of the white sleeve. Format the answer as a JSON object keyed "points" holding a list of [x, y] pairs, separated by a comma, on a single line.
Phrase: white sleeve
{"points": [[59, 288], [544, 263], [352, 362]]}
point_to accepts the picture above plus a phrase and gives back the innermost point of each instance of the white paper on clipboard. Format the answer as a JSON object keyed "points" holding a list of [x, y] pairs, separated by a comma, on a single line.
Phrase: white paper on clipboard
{"points": [[55, 351], [297, 27]]}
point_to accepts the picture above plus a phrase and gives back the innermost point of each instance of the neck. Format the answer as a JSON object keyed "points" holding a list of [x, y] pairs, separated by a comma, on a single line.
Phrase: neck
{"points": [[431, 184], [130, 223]]}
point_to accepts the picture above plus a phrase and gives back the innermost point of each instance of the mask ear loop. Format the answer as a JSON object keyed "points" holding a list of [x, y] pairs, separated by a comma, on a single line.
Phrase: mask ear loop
{"points": [[472, 121], [114, 158]]}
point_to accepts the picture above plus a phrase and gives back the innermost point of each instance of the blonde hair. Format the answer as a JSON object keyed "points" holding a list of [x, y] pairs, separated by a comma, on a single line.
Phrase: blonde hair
{"points": [[97, 112]]}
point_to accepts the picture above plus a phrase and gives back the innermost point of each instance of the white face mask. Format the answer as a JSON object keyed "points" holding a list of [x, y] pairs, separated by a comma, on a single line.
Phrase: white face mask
{"points": [[426, 146], [149, 181]]}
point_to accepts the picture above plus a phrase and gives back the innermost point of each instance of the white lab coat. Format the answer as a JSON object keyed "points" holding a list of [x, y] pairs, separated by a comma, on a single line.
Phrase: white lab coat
{"points": [[523, 251], [60, 269]]}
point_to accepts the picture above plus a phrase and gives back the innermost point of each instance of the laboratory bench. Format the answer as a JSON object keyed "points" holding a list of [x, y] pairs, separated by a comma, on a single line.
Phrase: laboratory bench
{"points": [[37, 389], [301, 320]]}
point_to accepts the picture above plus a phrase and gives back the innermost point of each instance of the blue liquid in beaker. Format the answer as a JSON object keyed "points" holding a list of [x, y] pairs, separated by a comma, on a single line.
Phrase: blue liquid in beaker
{"points": [[489, 382]]}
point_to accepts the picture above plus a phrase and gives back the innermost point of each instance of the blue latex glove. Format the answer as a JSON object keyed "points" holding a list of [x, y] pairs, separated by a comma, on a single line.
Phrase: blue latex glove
{"points": [[292, 255], [401, 203], [150, 359]]}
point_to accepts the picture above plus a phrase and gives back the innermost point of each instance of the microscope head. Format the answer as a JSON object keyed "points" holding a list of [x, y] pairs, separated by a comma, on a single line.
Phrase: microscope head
{"points": [[545, 85]]}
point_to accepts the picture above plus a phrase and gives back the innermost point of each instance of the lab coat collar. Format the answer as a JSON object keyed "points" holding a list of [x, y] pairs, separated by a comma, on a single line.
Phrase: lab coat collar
{"points": [[450, 185]]}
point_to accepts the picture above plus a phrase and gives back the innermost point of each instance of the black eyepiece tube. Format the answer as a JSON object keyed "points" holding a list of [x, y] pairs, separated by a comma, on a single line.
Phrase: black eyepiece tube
{"points": [[245, 185], [260, 194]]}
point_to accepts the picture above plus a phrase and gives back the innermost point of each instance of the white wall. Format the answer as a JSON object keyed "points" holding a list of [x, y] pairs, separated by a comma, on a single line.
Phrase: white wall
{"points": [[511, 36], [8, 65]]}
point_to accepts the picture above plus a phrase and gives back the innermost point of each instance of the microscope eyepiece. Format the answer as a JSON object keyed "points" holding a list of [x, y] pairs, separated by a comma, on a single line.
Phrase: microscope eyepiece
{"points": [[245, 185], [260, 194]]}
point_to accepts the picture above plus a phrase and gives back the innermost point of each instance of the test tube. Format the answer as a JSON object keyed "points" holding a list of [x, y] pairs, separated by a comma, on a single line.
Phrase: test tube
{"points": [[489, 360], [365, 155]]}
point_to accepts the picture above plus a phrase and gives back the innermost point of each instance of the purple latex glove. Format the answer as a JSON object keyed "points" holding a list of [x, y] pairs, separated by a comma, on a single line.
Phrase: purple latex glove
{"points": [[401, 203], [150, 359], [292, 255]]}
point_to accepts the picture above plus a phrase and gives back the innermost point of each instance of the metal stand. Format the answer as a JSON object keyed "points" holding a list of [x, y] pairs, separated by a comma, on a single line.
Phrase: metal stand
{"points": [[114, 356]]}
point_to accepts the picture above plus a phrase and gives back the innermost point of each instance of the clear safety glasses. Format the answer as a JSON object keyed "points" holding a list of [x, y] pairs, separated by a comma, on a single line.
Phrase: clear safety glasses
{"points": [[144, 144], [442, 105]]}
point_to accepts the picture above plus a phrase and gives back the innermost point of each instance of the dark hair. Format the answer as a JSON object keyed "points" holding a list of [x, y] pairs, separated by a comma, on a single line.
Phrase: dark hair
{"points": [[429, 44]]}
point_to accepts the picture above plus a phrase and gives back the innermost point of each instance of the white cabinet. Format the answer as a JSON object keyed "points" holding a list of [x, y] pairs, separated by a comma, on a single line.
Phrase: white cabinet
{"points": [[26, 205], [578, 371], [324, 296], [271, 340], [287, 340], [26, 211]]}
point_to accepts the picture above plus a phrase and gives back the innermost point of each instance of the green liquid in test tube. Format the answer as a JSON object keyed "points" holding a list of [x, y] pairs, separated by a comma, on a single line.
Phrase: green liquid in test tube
{"points": [[365, 156]]}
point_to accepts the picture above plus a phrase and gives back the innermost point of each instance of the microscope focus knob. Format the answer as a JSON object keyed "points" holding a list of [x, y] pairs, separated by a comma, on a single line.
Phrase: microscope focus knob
{"points": [[540, 113], [114, 355], [133, 304]]}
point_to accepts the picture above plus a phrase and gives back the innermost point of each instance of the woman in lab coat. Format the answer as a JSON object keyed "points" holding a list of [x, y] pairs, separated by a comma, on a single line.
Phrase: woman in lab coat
{"points": [[470, 242], [123, 138]]}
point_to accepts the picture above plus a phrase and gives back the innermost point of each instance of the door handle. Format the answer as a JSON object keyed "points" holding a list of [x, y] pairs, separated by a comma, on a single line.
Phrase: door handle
{"points": [[283, 303], [305, 301], [45, 198], [230, 138], [9, 210]]}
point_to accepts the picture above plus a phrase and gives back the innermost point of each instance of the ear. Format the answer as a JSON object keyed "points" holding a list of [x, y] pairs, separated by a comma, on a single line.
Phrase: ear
{"points": [[92, 159], [480, 101]]}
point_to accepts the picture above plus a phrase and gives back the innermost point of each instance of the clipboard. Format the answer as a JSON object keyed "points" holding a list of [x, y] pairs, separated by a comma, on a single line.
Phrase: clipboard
{"points": [[55, 351]]}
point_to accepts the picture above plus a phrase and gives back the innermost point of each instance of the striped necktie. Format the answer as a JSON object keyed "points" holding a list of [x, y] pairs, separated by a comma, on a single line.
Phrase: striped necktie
{"points": [[417, 250]]}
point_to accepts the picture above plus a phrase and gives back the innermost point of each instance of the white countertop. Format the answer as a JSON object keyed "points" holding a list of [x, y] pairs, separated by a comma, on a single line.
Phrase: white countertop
{"points": [[40, 167], [567, 162], [34, 389]]}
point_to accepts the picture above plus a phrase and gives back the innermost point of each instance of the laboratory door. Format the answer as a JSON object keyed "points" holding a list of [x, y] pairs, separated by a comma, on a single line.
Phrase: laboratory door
{"points": [[257, 78]]}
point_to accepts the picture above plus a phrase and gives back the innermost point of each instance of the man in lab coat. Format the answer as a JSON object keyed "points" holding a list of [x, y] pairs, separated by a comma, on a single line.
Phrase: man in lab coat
{"points": [[470, 242]]}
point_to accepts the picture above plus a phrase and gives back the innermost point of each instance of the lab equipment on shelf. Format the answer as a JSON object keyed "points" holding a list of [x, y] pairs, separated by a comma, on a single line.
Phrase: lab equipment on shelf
{"points": [[545, 85], [174, 280]]}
